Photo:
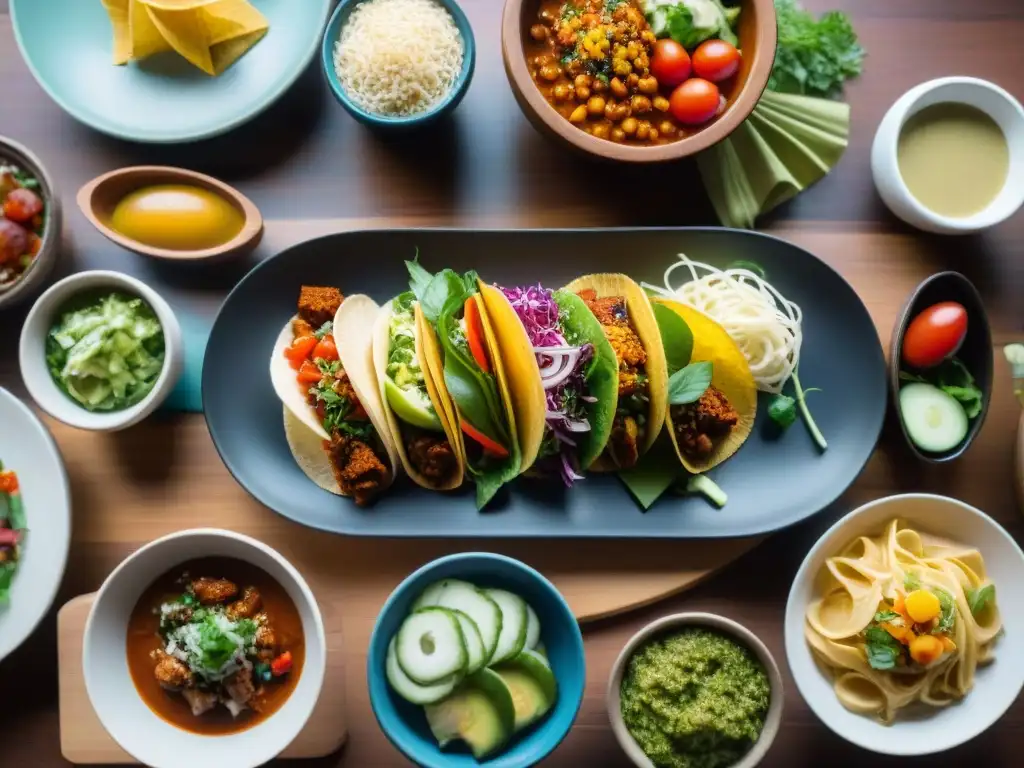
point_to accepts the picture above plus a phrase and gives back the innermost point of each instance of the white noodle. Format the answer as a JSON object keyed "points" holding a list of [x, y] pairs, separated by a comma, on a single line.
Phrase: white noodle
{"points": [[764, 324]]}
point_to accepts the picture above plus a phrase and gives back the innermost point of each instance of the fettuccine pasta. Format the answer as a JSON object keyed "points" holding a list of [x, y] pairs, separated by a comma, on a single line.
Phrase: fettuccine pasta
{"points": [[903, 617]]}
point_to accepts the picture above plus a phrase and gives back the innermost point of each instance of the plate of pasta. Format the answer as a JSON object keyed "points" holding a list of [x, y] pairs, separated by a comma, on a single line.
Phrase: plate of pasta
{"points": [[901, 621]]}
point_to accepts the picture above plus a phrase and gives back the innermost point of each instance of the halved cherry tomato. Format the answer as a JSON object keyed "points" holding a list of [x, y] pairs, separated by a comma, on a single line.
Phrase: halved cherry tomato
{"points": [[475, 334], [694, 102], [670, 63], [309, 373], [489, 446], [935, 334], [325, 349], [715, 60], [299, 351], [22, 205], [8, 482], [281, 665]]}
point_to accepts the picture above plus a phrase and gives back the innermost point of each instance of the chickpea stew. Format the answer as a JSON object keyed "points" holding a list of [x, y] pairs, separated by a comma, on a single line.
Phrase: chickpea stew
{"points": [[624, 76], [22, 222]]}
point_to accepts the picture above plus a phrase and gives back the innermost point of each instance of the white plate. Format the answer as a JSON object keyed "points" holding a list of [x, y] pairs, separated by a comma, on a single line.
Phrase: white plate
{"points": [[922, 730], [27, 447]]}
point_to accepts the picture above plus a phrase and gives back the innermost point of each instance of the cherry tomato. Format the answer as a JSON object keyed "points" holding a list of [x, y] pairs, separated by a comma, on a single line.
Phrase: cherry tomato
{"points": [[715, 60], [22, 205], [935, 334], [475, 334], [325, 349], [695, 101], [489, 446], [13, 241], [8, 482], [309, 373], [670, 63], [299, 350]]}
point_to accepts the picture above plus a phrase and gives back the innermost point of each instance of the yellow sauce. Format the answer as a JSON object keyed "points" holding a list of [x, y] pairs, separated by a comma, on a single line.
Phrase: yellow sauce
{"points": [[954, 159], [178, 217]]}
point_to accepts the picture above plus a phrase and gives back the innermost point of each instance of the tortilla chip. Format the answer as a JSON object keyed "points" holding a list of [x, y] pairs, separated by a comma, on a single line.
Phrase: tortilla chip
{"points": [[146, 37], [525, 393], [730, 374], [186, 33], [308, 450], [234, 27], [179, 5], [117, 10]]}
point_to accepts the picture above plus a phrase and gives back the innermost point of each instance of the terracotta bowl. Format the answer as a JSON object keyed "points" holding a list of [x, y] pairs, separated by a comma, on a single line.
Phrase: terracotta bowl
{"points": [[757, 33]]}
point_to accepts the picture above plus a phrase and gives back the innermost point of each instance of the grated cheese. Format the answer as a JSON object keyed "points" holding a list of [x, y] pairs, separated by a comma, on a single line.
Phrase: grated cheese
{"points": [[398, 57]]}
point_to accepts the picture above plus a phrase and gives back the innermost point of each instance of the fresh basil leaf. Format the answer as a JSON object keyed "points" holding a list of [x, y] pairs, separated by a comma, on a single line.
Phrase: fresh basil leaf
{"points": [[688, 384], [882, 649], [419, 278], [446, 292], [911, 581], [883, 616], [979, 598], [782, 410], [948, 615], [654, 474], [676, 337]]}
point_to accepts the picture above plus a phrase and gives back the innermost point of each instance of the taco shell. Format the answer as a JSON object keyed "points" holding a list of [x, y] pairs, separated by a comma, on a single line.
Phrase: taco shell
{"points": [[641, 317], [494, 352], [308, 450], [524, 397], [381, 342], [730, 374]]}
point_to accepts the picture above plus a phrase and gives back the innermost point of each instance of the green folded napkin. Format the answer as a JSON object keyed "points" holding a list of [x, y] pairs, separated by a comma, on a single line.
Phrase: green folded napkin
{"points": [[788, 143]]}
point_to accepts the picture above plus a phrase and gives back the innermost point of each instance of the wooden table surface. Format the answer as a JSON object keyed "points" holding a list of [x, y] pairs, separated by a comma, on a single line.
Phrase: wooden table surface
{"points": [[305, 159]]}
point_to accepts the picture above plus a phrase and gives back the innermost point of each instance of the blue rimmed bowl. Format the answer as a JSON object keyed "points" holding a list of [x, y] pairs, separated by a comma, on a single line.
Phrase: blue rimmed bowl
{"points": [[333, 33], [406, 725]]}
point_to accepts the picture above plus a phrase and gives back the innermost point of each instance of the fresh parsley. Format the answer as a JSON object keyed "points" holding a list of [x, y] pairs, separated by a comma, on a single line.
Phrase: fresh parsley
{"points": [[948, 615], [883, 650], [687, 384], [979, 598], [814, 56], [324, 329], [883, 616], [328, 367]]}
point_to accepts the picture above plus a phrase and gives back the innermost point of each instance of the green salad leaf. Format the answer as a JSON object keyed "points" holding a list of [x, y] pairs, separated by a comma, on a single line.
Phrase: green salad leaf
{"points": [[883, 616], [953, 378], [691, 22], [947, 617], [676, 337], [814, 56], [978, 599], [883, 650], [687, 384]]}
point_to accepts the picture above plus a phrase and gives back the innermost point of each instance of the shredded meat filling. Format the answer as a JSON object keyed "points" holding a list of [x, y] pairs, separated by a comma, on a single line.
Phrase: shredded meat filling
{"points": [[699, 425], [432, 456], [357, 468]]}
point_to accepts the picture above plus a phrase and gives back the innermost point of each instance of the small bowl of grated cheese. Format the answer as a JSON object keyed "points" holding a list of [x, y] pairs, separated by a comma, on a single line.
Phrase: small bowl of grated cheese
{"points": [[398, 63]]}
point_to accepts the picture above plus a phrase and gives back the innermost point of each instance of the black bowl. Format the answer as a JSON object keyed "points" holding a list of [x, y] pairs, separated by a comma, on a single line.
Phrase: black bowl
{"points": [[975, 352]]}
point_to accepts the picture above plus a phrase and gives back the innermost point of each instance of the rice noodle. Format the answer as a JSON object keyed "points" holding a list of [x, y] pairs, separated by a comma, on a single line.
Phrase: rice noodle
{"points": [[764, 324]]}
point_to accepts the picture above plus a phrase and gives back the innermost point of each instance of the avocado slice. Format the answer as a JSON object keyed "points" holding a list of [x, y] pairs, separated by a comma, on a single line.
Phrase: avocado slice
{"points": [[409, 410], [533, 687], [479, 712]]}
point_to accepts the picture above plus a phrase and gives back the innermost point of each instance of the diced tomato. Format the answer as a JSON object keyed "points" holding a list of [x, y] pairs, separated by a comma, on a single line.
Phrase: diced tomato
{"points": [[22, 205], [8, 482], [475, 334], [299, 351], [325, 349], [281, 665], [490, 447], [309, 373]]}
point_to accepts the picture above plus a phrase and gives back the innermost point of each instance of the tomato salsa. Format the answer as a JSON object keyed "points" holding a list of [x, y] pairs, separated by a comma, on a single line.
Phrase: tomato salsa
{"points": [[22, 222]]}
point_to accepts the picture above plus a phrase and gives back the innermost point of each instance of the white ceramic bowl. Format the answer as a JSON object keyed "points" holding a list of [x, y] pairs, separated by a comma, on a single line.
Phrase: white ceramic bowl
{"points": [[27, 448], [716, 623], [143, 734], [32, 355], [996, 686], [981, 94]]}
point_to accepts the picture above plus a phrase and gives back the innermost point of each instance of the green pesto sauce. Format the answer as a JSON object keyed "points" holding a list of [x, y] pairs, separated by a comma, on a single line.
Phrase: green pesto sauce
{"points": [[694, 699]]}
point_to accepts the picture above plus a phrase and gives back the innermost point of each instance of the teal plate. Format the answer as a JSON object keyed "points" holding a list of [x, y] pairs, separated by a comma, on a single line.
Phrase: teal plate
{"points": [[164, 99]]}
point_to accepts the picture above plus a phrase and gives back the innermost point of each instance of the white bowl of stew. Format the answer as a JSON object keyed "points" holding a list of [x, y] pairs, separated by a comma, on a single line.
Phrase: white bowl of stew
{"points": [[185, 668]]}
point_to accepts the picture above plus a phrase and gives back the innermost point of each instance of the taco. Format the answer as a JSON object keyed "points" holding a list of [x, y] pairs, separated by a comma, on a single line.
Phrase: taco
{"points": [[710, 427], [625, 315], [333, 419], [562, 375], [469, 375], [426, 442]]}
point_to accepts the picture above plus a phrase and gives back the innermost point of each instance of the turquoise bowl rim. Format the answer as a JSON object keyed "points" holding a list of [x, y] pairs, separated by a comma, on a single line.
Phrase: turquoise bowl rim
{"points": [[258, 107], [449, 103], [431, 756]]}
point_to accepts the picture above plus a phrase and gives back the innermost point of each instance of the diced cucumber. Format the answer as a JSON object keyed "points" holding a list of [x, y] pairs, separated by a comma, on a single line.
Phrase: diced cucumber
{"points": [[479, 712], [430, 646], [532, 628], [935, 421], [463, 596], [410, 691], [476, 653], [513, 624]]}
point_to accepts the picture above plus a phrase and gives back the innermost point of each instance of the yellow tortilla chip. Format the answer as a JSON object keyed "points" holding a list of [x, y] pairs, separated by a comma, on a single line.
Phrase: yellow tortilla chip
{"points": [[229, 19], [117, 10], [146, 38], [186, 33], [179, 5], [730, 374]]}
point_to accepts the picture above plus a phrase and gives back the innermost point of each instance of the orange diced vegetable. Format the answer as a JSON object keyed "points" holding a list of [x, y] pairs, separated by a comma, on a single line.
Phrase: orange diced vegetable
{"points": [[325, 349], [309, 373], [926, 649], [299, 350], [904, 635], [281, 665], [8, 482]]}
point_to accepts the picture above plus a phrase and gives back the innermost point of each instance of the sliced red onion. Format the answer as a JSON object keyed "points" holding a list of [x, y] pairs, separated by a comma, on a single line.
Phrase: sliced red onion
{"points": [[557, 364]]}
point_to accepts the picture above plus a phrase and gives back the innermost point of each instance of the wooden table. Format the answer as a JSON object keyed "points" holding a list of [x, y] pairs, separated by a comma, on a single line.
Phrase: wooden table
{"points": [[305, 159]]}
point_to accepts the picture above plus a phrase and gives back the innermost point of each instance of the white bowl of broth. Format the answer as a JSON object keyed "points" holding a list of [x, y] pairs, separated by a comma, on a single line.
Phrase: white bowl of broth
{"points": [[147, 672], [948, 157]]}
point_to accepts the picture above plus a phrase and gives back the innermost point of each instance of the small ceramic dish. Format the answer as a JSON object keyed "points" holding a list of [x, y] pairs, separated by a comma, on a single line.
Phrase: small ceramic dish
{"points": [[146, 736], [924, 730], [406, 725], [757, 32], [994, 101], [723, 626], [975, 352], [32, 351], [41, 267], [98, 198], [333, 33]]}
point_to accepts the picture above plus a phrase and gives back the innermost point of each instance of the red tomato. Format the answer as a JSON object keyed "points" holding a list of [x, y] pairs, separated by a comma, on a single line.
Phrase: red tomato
{"points": [[309, 373], [281, 665], [715, 60], [475, 334], [695, 101], [325, 349], [489, 446], [299, 350], [22, 205], [13, 241], [670, 63], [935, 334], [8, 482]]}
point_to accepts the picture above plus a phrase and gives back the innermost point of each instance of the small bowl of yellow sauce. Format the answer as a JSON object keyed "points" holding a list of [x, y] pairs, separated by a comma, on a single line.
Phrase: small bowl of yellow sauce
{"points": [[948, 157], [171, 213]]}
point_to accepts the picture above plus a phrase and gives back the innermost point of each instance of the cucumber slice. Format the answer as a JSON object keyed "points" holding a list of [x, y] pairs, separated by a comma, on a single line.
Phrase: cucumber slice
{"points": [[476, 653], [935, 421], [410, 691], [532, 685], [429, 595], [513, 624], [480, 712], [463, 596], [532, 628], [430, 646]]}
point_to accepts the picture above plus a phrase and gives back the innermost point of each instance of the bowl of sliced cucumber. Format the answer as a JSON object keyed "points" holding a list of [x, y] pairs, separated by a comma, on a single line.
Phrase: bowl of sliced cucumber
{"points": [[476, 658]]}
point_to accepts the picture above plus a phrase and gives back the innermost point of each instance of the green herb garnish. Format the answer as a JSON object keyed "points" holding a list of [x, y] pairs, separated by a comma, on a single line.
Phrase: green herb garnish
{"points": [[883, 650], [948, 616], [814, 57], [911, 581], [324, 329], [883, 616], [687, 384], [978, 599], [953, 378]]}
